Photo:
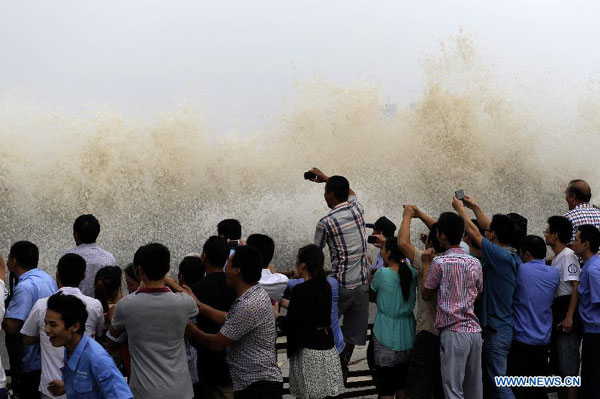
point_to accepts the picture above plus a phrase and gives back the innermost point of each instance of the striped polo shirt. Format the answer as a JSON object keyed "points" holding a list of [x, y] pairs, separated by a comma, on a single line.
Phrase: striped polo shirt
{"points": [[458, 279]]}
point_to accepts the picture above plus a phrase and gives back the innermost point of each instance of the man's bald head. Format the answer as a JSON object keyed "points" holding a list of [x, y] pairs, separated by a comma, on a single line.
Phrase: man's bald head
{"points": [[579, 191]]}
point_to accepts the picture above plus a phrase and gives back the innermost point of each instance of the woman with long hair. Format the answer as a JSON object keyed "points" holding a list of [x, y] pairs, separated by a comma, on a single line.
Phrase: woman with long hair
{"points": [[394, 327], [315, 369], [107, 289], [131, 279]]}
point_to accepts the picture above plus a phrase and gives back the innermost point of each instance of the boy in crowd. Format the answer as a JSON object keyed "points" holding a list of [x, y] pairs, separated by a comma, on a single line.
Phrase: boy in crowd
{"points": [[89, 371], [385, 227], [458, 280], [33, 284], [213, 291], [86, 230], [586, 245], [532, 306], [248, 330], [343, 231], [155, 319], [272, 282], [500, 264], [566, 334], [70, 272]]}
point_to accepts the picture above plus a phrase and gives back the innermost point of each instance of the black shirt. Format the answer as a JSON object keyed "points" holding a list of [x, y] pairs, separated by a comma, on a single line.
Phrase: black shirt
{"points": [[212, 290], [308, 321]]}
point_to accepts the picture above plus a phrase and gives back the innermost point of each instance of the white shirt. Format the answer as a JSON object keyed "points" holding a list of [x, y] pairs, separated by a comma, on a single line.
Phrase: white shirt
{"points": [[567, 264], [274, 283], [2, 311], [52, 357], [95, 259]]}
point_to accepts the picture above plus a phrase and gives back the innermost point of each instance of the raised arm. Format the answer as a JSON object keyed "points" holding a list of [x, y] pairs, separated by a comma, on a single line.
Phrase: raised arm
{"points": [[427, 257], [482, 218], [322, 178], [470, 227], [425, 218], [404, 242]]}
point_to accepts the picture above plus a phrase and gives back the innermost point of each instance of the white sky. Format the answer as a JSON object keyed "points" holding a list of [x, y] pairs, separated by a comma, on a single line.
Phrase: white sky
{"points": [[240, 59]]}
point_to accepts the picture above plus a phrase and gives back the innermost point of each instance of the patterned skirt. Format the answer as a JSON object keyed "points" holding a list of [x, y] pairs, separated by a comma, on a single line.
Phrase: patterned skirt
{"points": [[316, 374]]}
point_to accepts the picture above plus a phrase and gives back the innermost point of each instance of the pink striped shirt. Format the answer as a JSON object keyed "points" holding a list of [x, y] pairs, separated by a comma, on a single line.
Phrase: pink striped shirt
{"points": [[458, 279]]}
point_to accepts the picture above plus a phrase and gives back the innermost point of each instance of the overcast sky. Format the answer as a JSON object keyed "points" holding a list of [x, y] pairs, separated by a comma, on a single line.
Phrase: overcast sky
{"points": [[241, 59]]}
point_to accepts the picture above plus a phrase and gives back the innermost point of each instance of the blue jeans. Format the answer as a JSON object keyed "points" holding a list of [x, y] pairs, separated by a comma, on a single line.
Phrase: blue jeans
{"points": [[496, 344], [3, 393]]}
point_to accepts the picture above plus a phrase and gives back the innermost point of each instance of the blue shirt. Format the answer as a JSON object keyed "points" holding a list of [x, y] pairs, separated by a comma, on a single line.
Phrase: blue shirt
{"points": [[532, 302], [589, 295], [31, 286], [338, 337], [499, 281], [91, 373]]}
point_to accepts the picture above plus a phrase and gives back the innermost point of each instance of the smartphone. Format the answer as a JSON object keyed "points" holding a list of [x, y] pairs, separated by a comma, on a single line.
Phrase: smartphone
{"points": [[233, 243], [309, 175], [372, 239], [460, 194]]}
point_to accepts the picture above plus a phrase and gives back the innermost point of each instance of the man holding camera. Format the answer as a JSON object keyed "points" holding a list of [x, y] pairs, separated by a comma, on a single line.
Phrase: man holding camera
{"points": [[343, 230]]}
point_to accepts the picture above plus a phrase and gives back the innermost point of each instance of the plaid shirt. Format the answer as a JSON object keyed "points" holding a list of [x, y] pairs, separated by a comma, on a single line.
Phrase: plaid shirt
{"points": [[343, 230], [459, 279], [584, 213], [251, 325]]}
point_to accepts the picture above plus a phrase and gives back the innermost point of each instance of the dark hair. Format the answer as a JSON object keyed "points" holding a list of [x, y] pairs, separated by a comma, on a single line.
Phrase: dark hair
{"points": [[503, 227], [107, 283], [591, 234], [249, 261], [452, 226], [71, 270], [87, 228], [25, 253], [191, 269], [231, 229], [136, 256], [481, 231], [216, 251], [520, 223], [406, 276], [265, 246], [580, 190], [562, 227], [432, 237], [312, 257], [339, 186], [130, 271], [386, 226], [535, 245], [154, 260], [71, 310]]}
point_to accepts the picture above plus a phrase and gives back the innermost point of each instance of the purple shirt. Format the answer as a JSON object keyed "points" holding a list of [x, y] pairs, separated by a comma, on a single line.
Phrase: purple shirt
{"points": [[589, 295], [532, 302]]}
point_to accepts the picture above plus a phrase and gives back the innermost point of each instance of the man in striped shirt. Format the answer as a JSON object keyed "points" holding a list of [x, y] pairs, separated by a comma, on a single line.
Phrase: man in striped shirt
{"points": [[343, 230], [458, 280], [578, 195]]}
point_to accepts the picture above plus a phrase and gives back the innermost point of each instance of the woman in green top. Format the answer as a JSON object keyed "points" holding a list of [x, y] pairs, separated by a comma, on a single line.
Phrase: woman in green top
{"points": [[394, 328]]}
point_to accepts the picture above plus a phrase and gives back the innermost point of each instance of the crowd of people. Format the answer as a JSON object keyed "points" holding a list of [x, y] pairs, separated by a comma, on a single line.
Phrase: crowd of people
{"points": [[474, 299]]}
